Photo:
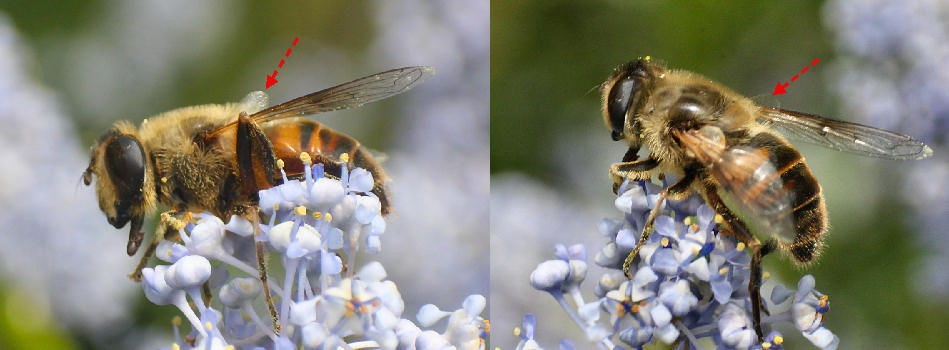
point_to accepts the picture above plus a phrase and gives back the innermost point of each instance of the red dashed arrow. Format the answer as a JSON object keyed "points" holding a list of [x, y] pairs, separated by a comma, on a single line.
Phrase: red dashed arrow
{"points": [[780, 88], [272, 79]]}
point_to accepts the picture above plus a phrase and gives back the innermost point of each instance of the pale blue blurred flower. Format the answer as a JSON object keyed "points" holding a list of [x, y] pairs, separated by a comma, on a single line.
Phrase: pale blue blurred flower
{"points": [[896, 52]]}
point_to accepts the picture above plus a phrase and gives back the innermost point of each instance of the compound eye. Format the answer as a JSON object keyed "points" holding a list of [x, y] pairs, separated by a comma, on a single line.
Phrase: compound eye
{"points": [[620, 98], [125, 162]]}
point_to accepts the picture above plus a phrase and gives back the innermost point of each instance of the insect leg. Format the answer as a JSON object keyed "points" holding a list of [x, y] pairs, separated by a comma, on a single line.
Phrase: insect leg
{"points": [[732, 223], [252, 215], [167, 228], [754, 284], [633, 170], [206, 294], [256, 161], [631, 154], [741, 231], [677, 190]]}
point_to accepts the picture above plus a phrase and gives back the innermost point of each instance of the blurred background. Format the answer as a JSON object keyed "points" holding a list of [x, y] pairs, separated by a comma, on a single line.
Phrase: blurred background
{"points": [[71, 69], [881, 63]]}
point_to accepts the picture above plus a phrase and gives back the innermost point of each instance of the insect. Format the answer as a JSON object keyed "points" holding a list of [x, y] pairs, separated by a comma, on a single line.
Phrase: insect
{"points": [[729, 150], [217, 157]]}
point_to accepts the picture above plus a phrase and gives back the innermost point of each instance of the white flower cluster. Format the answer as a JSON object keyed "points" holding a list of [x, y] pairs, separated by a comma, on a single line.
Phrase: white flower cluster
{"points": [[322, 303]]}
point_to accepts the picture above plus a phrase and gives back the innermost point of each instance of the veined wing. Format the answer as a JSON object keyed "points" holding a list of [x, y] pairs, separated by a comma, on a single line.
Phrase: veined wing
{"points": [[843, 136], [347, 95]]}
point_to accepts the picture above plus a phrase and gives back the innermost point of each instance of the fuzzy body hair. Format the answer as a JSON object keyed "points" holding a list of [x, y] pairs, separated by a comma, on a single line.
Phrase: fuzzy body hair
{"points": [[179, 174]]}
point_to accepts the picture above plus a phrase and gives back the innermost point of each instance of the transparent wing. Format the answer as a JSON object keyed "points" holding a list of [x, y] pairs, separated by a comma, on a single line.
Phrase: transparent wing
{"points": [[347, 95], [352, 94], [749, 183], [843, 136]]}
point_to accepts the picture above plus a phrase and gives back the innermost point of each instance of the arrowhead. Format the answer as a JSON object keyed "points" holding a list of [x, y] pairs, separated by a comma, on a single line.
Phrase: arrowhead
{"points": [[779, 89], [271, 80]]}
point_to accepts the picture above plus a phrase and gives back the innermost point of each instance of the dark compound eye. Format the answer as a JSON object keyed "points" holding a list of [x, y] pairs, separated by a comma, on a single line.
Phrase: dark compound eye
{"points": [[125, 162], [622, 96]]}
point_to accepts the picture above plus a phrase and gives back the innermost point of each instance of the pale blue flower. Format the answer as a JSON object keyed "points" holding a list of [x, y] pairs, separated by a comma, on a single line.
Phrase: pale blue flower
{"points": [[689, 282]]}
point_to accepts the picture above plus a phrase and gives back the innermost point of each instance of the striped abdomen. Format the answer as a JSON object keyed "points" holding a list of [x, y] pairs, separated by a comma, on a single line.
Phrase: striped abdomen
{"points": [[806, 200], [291, 137]]}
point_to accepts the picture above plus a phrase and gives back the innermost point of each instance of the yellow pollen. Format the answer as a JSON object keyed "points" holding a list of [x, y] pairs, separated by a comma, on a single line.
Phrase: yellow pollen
{"points": [[305, 157], [740, 246], [642, 303], [648, 58], [766, 345], [517, 331], [687, 221], [208, 327], [344, 157], [824, 298], [144, 121], [634, 309], [778, 340], [695, 251], [301, 210], [164, 179], [176, 224], [695, 227], [317, 215], [723, 271], [176, 320], [276, 206], [174, 346], [169, 254], [719, 219], [280, 163], [229, 347], [823, 303], [665, 242], [766, 275], [329, 217]]}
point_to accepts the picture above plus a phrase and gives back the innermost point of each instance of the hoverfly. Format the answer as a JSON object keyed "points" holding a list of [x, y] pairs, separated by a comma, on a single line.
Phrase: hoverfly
{"points": [[733, 153], [217, 157]]}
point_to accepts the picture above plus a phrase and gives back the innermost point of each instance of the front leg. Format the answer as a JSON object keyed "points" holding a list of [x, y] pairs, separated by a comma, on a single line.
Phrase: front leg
{"points": [[636, 170], [680, 189], [167, 228]]}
